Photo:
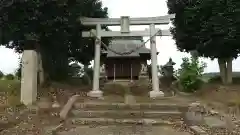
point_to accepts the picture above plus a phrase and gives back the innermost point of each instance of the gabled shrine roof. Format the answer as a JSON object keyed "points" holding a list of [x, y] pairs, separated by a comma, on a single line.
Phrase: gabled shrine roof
{"points": [[126, 45]]}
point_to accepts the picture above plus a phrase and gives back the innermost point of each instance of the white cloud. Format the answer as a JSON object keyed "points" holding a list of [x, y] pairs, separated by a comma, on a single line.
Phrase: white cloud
{"points": [[8, 60]]}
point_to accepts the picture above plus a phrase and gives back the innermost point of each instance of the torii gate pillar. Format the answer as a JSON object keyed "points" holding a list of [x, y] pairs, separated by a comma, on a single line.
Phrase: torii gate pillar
{"points": [[96, 92], [155, 81]]}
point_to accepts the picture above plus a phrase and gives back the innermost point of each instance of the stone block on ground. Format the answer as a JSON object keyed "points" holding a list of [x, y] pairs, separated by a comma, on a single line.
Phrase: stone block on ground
{"points": [[230, 125], [214, 122], [193, 118]]}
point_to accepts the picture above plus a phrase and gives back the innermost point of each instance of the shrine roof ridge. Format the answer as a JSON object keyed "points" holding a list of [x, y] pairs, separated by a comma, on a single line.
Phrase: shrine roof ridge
{"points": [[121, 45]]}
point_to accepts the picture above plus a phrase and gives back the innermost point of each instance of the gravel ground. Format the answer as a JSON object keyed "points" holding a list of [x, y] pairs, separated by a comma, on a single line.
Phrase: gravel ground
{"points": [[220, 131], [32, 125]]}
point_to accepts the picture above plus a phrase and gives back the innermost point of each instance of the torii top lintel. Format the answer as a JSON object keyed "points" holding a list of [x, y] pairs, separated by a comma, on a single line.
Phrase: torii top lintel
{"points": [[132, 21]]}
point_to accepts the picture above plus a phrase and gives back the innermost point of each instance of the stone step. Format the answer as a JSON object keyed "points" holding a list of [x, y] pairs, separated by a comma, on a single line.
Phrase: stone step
{"points": [[126, 114], [110, 121], [123, 130], [122, 106]]}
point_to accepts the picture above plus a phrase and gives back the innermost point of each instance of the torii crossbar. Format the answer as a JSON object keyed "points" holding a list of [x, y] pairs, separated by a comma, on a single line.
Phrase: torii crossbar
{"points": [[125, 22]]}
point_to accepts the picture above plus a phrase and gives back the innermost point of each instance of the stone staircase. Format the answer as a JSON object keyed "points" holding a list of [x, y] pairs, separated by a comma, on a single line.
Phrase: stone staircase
{"points": [[120, 114]]}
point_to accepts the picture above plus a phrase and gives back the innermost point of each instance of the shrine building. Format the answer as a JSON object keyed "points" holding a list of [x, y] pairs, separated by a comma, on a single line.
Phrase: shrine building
{"points": [[129, 66]]}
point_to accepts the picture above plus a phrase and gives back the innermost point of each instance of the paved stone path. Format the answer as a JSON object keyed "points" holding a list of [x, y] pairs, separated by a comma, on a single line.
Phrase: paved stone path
{"points": [[124, 130]]}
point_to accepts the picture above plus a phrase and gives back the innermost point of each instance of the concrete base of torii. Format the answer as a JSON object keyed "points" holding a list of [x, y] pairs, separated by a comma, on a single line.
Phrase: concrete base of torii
{"points": [[156, 94], [29, 77], [95, 94]]}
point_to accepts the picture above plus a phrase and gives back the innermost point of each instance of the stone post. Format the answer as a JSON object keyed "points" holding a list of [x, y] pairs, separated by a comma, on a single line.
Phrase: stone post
{"points": [[29, 75], [155, 81], [95, 91]]}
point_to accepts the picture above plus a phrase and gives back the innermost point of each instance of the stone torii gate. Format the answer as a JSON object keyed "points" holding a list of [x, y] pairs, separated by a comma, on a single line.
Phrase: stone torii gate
{"points": [[125, 23]]}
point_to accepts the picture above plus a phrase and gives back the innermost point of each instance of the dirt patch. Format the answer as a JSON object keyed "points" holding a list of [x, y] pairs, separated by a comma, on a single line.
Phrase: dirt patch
{"points": [[225, 99], [32, 124], [226, 95]]}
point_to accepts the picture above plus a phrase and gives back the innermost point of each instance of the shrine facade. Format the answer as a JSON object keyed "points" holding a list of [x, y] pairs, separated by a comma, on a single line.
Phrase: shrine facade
{"points": [[130, 66]]}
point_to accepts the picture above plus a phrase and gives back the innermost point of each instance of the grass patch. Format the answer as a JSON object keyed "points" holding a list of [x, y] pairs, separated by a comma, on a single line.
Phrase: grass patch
{"points": [[10, 89], [7, 85]]}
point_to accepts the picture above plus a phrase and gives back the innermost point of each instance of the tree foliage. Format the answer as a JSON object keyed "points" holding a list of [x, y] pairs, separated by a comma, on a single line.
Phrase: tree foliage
{"points": [[190, 74], [1, 74], [55, 27], [212, 27], [18, 72], [9, 77]]}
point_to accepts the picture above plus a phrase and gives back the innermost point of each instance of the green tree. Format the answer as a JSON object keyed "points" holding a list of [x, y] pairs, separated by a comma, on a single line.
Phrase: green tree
{"points": [[18, 73], [52, 27], [9, 77], [1, 74], [190, 74], [212, 27]]}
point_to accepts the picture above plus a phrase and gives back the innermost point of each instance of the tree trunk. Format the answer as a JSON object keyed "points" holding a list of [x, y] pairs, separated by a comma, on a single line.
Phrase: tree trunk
{"points": [[229, 71], [40, 70], [41, 78], [222, 68]]}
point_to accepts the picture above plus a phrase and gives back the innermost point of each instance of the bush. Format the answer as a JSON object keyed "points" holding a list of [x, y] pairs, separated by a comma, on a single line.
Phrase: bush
{"points": [[9, 77], [190, 75]]}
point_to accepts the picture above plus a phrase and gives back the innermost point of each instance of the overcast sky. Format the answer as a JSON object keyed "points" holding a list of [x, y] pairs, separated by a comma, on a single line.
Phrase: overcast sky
{"points": [[133, 8]]}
